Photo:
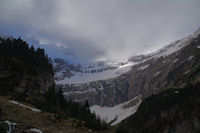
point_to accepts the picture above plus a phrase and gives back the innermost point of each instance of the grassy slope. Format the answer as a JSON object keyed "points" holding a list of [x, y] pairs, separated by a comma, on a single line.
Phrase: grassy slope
{"points": [[47, 122]]}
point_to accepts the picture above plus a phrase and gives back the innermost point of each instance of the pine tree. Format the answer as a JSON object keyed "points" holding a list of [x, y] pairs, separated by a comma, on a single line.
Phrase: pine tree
{"points": [[61, 99], [87, 106]]}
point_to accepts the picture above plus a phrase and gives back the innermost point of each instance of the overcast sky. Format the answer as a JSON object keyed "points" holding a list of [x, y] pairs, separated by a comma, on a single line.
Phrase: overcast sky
{"points": [[100, 29]]}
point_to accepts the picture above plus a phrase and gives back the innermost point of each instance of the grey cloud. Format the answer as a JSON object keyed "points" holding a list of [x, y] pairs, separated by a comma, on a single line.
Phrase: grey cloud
{"points": [[102, 29]]}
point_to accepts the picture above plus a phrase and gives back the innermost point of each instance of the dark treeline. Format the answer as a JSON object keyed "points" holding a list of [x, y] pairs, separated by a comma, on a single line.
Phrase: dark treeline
{"points": [[17, 51], [18, 61], [70, 109]]}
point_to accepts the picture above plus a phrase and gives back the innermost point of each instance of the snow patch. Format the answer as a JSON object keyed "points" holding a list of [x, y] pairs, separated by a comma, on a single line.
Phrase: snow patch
{"points": [[176, 92], [175, 60], [118, 112], [198, 46], [156, 74], [101, 88], [35, 130], [187, 72], [143, 67], [190, 58], [30, 108]]}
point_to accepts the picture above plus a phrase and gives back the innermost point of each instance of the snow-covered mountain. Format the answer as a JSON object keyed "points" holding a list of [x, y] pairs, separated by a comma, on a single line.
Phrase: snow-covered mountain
{"points": [[109, 86], [78, 74]]}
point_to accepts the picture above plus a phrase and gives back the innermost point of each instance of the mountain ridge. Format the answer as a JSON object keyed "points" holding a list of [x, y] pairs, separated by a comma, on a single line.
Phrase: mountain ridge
{"points": [[150, 75]]}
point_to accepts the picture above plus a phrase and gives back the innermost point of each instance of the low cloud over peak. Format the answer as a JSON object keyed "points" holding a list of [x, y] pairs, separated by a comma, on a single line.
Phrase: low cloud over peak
{"points": [[101, 29]]}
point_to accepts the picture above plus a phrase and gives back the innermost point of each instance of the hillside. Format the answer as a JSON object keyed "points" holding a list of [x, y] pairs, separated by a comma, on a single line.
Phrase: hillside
{"points": [[174, 110], [25, 73], [45, 121], [26, 76]]}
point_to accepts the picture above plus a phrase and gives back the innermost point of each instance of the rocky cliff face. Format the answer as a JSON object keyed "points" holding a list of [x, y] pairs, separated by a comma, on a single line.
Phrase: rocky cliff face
{"points": [[62, 69], [151, 74]]}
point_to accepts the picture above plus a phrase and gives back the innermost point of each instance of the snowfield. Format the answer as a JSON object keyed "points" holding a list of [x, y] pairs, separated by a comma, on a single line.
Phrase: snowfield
{"points": [[118, 112], [80, 78]]}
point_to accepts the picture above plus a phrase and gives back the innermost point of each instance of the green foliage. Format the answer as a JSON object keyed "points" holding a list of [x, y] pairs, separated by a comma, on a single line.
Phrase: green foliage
{"points": [[3, 127], [165, 110]]}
